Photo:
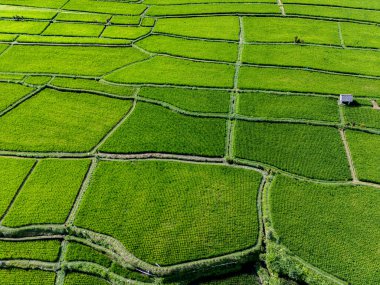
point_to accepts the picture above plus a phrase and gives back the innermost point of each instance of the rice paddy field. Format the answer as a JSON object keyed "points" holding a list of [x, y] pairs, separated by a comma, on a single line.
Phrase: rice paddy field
{"points": [[189, 142]]}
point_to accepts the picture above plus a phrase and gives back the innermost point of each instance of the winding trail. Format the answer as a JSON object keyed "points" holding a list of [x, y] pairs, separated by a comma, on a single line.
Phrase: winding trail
{"points": [[349, 156]]}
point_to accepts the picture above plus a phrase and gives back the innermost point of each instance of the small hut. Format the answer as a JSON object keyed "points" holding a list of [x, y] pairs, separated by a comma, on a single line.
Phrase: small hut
{"points": [[346, 99]]}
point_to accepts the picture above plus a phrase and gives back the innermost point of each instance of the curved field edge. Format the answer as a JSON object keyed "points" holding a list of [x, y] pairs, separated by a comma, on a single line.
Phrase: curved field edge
{"points": [[117, 251], [112, 248], [88, 268], [282, 261]]}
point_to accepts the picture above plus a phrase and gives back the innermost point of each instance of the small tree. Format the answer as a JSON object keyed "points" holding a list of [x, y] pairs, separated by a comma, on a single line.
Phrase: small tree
{"points": [[298, 40]]}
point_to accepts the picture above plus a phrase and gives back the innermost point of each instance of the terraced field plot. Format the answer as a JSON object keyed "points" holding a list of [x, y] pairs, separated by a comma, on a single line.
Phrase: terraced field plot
{"points": [[189, 142]]}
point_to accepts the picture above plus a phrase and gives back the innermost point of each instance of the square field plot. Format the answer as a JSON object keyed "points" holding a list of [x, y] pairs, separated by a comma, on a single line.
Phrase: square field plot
{"points": [[284, 30], [332, 227], [364, 116], [48, 194], [311, 151], [264, 105], [94, 61], [60, 121], [365, 151], [153, 128], [172, 212], [358, 35]]}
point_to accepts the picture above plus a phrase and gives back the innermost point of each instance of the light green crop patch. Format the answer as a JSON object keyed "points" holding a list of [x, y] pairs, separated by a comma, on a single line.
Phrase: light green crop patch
{"points": [[306, 81], [125, 20], [70, 40], [357, 35], [323, 58], [108, 7], [334, 12], [31, 277], [202, 9], [7, 38], [21, 27], [174, 71], [83, 17], [12, 174], [11, 93], [218, 51], [206, 101], [272, 106], [79, 252], [73, 29], [7, 11], [125, 32], [284, 30], [129, 274], [37, 80], [92, 85], [167, 2], [365, 117], [365, 153], [311, 151], [170, 212], [148, 22], [48, 194], [44, 250], [372, 4], [152, 128], [35, 3], [60, 121], [226, 27], [232, 279], [331, 226], [94, 61], [84, 279]]}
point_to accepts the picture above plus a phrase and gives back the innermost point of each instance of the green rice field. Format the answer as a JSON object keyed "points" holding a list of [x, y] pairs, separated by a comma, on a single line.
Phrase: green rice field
{"points": [[189, 142]]}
